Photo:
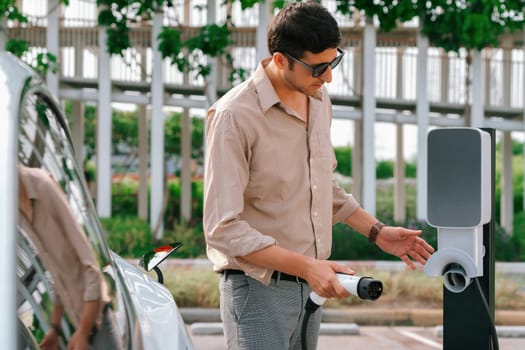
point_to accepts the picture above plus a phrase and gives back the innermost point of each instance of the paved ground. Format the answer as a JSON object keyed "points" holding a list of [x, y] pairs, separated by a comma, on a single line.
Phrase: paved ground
{"points": [[370, 337], [424, 336]]}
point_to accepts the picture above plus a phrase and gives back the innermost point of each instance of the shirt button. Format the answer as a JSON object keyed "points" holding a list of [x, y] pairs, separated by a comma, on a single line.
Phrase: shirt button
{"points": [[315, 187], [315, 213]]}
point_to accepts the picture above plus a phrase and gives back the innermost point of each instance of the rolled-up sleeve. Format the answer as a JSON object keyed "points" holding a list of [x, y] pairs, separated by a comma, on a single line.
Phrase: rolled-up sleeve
{"points": [[226, 178], [344, 204]]}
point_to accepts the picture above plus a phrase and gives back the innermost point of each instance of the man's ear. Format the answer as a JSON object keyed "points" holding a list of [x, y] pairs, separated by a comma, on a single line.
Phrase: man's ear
{"points": [[280, 60]]}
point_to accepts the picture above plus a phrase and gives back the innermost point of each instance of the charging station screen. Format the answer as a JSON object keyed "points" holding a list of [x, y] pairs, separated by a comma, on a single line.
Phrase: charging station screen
{"points": [[454, 177]]}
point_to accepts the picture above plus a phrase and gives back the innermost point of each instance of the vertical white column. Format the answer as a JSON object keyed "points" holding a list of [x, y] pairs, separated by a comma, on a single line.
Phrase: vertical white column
{"points": [[8, 218], [478, 88], [357, 150], [445, 76], [399, 169], [211, 87], [369, 104], [422, 110], [77, 124], [507, 46], [143, 147], [104, 126], [488, 58], [53, 9], [3, 35], [185, 175], [157, 131], [262, 30], [143, 162], [357, 161], [185, 201], [507, 196], [507, 188], [78, 130]]}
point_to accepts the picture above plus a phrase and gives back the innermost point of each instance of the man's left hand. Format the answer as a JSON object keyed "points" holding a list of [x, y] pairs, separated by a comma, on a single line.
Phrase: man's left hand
{"points": [[405, 244]]}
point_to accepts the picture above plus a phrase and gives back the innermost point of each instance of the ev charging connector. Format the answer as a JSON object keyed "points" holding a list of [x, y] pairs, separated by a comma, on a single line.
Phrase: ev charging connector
{"points": [[365, 288]]}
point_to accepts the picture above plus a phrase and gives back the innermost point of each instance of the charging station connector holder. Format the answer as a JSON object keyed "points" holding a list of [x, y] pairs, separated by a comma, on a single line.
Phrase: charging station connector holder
{"points": [[459, 257], [459, 197]]}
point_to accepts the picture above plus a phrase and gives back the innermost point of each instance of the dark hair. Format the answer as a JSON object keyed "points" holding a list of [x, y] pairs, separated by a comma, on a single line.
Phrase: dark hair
{"points": [[303, 26]]}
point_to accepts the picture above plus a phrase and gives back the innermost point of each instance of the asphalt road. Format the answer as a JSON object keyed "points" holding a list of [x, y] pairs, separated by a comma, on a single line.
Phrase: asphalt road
{"points": [[370, 337]]}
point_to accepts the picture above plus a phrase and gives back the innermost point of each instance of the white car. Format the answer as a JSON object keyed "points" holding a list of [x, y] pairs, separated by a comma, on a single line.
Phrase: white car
{"points": [[34, 132]]}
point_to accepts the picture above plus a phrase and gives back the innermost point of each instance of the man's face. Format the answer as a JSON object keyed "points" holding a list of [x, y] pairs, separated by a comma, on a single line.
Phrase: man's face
{"points": [[301, 78]]}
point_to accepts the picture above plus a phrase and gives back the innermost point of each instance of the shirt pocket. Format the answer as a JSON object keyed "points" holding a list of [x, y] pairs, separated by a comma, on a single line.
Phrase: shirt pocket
{"points": [[322, 158], [322, 145]]}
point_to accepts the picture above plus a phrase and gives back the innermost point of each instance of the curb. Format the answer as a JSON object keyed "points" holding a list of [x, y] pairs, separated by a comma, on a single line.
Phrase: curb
{"points": [[502, 331], [369, 317], [216, 328]]}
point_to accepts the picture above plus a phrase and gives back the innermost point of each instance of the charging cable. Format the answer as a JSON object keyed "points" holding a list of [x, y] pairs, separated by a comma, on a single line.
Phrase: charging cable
{"points": [[492, 329]]}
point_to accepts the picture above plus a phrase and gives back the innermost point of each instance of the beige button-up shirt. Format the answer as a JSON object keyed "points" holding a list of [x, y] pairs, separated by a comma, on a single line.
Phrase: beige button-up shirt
{"points": [[269, 177], [62, 244]]}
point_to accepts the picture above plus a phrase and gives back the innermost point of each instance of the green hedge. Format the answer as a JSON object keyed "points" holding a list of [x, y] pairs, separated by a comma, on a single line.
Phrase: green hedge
{"points": [[125, 199], [131, 237], [384, 168]]}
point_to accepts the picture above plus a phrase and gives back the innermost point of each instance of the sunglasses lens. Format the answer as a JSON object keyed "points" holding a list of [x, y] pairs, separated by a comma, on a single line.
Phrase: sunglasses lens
{"points": [[336, 61], [320, 69]]}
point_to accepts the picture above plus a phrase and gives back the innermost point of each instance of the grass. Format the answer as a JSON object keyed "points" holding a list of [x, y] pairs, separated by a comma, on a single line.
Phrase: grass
{"points": [[198, 287]]}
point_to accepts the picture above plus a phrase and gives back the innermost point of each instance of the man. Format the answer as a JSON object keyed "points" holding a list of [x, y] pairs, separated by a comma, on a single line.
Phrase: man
{"points": [[270, 196], [80, 289]]}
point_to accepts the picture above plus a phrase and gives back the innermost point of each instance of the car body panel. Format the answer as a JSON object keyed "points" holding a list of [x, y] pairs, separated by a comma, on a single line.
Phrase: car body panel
{"points": [[161, 323], [34, 129], [8, 188]]}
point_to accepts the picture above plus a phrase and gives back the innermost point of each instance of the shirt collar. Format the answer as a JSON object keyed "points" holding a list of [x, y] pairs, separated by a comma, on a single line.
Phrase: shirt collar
{"points": [[267, 95]]}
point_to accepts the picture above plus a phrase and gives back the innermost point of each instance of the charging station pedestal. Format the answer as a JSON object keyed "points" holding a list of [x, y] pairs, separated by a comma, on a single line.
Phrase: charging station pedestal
{"points": [[461, 206]]}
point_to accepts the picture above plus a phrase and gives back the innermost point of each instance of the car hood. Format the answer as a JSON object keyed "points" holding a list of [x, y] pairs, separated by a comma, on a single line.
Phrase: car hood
{"points": [[158, 317]]}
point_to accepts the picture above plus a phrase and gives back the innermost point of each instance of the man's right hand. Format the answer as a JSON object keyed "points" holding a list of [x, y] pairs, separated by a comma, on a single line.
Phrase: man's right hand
{"points": [[50, 341], [321, 277]]}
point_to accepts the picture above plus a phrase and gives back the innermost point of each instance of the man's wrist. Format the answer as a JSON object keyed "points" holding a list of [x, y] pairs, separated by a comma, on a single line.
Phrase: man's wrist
{"points": [[57, 329], [374, 231]]}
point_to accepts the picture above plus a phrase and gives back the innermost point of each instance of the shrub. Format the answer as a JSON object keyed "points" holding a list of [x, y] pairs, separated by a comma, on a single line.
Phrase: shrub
{"points": [[193, 286], [347, 244], [192, 238], [128, 236], [384, 169], [196, 286], [344, 160], [124, 197]]}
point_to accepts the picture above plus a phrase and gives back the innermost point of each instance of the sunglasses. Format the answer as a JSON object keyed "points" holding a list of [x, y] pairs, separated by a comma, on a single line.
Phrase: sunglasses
{"points": [[320, 68]]}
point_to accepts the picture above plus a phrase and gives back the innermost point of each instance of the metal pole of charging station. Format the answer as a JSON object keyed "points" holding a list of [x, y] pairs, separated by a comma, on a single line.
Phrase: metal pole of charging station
{"points": [[466, 321]]}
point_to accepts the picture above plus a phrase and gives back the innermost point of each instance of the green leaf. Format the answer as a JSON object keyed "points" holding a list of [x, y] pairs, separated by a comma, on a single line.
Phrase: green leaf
{"points": [[211, 39], [9, 9], [170, 44], [118, 40], [46, 62], [17, 47], [106, 18]]}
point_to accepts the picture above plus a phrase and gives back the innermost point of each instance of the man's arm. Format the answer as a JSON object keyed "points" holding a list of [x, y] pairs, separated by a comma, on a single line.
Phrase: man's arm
{"points": [[399, 241], [320, 274], [52, 337], [80, 339]]}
